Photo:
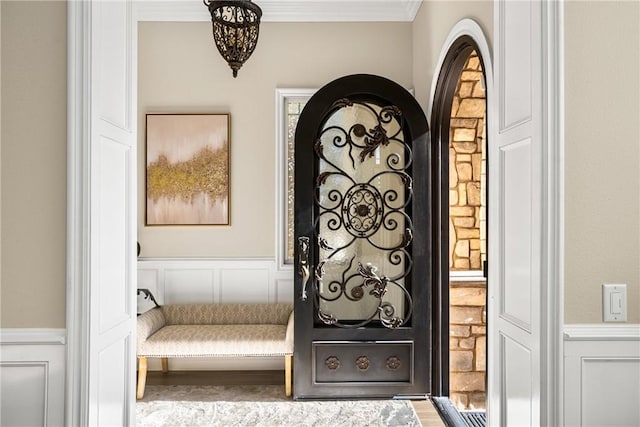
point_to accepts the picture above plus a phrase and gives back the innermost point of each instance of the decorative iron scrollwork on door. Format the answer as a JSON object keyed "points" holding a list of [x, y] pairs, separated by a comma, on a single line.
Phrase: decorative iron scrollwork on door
{"points": [[363, 193]]}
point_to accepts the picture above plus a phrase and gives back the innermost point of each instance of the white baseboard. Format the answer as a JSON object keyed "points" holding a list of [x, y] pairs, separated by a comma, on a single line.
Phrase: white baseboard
{"points": [[32, 375], [602, 375]]}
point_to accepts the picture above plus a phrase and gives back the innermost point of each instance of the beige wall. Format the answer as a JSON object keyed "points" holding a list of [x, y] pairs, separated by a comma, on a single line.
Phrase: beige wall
{"points": [[602, 193], [181, 70], [33, 62], [432, 25], [602, 158]]}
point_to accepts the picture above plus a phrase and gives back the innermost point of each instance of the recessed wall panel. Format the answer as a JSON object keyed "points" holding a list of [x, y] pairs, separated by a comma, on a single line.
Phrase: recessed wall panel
{"points": [[238, 285], [23, 388], [516, 83], [516, 379], [184, 286], [112, 206], [516, 245], [284, 289], [608, 385]]}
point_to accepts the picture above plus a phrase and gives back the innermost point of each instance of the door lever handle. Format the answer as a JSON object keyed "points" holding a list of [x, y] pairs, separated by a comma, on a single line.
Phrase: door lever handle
{"points": [[303, 264]]}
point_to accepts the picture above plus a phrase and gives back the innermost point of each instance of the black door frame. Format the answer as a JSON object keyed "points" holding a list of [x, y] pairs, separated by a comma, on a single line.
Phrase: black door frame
{"points": [[367, 88], [448, 78]]}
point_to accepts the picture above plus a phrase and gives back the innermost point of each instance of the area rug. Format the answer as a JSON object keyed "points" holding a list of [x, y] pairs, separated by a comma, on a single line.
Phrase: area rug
{"points": [[262, 406]]}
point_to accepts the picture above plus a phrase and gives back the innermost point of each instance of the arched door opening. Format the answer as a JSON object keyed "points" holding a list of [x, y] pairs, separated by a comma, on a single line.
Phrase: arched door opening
{"points": [[459, 137], [468, 239]]}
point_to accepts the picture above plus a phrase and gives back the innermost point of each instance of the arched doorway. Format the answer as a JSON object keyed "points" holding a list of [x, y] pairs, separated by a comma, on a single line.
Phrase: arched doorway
{"points": [[459, 137]]}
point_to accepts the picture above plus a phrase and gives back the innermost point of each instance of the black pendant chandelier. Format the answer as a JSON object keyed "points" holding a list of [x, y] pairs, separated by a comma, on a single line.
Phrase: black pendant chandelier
{"points": [[236, 24]]}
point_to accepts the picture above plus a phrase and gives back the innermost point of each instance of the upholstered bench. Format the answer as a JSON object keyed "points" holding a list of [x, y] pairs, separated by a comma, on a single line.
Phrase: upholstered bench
{"points": [[215, 330]]}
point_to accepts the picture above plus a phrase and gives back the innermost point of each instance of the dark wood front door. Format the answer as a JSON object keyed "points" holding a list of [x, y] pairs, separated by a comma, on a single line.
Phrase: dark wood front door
{"points": [[363, 235]]}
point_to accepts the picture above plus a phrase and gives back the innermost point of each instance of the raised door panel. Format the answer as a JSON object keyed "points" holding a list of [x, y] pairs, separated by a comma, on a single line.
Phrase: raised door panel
{"points": [[516, 49], [112, 410], [114, 62], [517, 378], [516, 229], [111, 274]]}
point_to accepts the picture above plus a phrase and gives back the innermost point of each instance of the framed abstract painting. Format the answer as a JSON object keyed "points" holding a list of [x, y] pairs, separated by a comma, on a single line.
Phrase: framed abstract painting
{"points": [[187, 169]]}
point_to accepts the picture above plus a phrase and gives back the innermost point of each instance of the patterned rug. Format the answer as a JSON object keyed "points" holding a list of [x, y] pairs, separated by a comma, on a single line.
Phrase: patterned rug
{"points": [[262, 406]]}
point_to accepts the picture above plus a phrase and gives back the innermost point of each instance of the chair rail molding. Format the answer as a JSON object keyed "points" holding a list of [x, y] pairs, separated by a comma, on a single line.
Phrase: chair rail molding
{"points": [[602, 332], [31, 336]]}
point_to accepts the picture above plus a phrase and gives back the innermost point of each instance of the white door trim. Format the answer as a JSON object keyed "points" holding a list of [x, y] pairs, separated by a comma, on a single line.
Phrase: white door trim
{"points": [[78, 63], [465, 27], [553, 219]]}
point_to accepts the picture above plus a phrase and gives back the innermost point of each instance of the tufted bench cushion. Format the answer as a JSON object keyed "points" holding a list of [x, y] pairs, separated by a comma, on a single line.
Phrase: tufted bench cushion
{"points": [[215, 330]]}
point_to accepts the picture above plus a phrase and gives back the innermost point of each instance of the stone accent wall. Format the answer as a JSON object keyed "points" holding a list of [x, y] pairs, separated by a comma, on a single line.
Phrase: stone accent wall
{"points": [[468, 344], [467, 239], [467, 171]]}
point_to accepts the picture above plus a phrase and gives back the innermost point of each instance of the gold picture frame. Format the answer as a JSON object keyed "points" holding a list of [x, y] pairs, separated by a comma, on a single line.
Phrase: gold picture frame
{"points": [[187, 176]]}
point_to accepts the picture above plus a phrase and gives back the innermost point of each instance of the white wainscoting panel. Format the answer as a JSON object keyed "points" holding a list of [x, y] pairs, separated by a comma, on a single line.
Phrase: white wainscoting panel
{"points": [[184, 285], [32, 374], [228, 280], [284, 288], [211, 280], [234, 282], [602, 375]]}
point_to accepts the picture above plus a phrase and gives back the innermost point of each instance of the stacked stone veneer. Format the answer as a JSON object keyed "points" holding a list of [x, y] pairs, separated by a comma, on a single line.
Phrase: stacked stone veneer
{"points": [[467, 239], [468, 344], [467, 171]]}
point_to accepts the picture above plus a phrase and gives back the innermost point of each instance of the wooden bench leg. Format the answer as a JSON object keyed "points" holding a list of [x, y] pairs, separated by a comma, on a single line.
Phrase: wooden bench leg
{"points": [[165, 365], [142, 376], [288, 362]]}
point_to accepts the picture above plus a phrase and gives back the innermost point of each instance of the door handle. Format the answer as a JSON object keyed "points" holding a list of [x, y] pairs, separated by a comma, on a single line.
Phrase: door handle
{"points": [[303, 264]]}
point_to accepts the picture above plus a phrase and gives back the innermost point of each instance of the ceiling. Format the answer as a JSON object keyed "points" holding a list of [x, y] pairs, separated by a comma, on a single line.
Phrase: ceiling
{"points": [[287, 10]]}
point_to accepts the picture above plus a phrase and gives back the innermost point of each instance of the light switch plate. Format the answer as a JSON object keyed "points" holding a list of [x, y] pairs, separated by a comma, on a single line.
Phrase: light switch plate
{"points": [[614, 302]]}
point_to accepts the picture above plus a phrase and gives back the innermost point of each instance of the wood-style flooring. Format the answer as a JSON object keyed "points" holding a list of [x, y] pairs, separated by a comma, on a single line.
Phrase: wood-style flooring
{"points": [[424, 408]]}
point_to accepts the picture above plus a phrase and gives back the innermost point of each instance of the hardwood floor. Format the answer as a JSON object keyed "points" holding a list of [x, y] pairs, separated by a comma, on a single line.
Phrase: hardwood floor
{"points": [[424, 408]]}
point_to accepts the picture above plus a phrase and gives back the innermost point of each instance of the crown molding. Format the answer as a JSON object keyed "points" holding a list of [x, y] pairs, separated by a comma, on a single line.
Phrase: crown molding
{"points": [[287, 10]]}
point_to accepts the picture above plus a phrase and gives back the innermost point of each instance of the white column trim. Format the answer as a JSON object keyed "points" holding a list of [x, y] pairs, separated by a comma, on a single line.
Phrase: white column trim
{"points": [[552, 371], [78, 226]]}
